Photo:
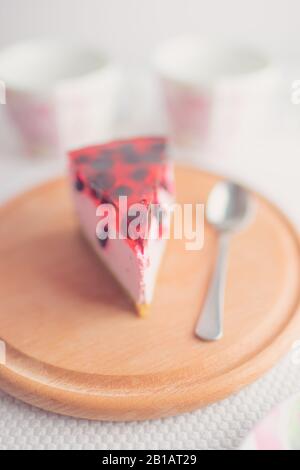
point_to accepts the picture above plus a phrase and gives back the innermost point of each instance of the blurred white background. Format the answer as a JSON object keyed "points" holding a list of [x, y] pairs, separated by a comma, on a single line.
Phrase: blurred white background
{"points": [[129, 29]]}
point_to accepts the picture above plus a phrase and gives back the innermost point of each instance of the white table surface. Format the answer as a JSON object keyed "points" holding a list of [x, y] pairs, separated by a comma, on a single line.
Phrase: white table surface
{"points": [[270, 164]]}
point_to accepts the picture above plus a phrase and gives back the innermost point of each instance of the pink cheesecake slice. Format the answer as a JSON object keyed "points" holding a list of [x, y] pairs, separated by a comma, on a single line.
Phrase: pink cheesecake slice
{"points": [[104, 176]]}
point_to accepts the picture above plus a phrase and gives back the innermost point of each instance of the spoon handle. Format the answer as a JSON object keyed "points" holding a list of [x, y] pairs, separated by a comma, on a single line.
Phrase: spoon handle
{"points": [[210, 323]]}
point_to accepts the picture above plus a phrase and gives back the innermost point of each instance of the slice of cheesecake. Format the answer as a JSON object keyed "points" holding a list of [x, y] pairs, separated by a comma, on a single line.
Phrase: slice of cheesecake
{"points": [[104, 177]]}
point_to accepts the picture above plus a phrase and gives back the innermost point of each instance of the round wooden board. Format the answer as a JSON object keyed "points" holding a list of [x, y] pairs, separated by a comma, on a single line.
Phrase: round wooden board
{"points": [[75, 346]]}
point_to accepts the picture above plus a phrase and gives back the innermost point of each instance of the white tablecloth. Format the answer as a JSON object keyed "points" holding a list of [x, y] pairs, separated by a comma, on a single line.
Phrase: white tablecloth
{"points": [[270, 164]]}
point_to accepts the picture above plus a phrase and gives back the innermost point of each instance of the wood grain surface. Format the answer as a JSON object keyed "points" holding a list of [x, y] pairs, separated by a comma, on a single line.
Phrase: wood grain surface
{"points": [[74, 344]]}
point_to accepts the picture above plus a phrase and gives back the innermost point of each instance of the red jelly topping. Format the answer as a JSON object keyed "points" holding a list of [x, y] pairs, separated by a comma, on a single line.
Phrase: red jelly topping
{"points": [[135, 168]]}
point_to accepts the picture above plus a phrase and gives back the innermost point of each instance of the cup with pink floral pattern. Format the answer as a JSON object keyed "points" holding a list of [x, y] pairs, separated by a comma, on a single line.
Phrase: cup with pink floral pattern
{"points": [[57, 93], [213, 91]]}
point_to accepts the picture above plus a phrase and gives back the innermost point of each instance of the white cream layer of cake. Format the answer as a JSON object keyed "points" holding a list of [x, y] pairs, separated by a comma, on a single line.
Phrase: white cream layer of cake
{"points": [[135, 271]]}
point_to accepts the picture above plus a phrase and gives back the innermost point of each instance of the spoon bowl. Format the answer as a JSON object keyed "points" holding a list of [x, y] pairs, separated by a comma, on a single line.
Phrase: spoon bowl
{"points": [[228, 207]]}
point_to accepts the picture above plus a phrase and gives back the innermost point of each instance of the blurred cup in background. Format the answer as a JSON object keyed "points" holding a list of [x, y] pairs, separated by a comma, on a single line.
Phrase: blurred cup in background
{"points": [[58, 94], [213, 93]]}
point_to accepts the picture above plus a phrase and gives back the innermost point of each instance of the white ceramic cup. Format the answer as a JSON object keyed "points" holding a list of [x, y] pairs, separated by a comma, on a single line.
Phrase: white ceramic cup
{"points": [[58, 94], [213, 92]]}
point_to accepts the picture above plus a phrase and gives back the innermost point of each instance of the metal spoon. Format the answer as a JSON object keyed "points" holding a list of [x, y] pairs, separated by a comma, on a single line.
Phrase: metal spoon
{"points": [[228, 209]]}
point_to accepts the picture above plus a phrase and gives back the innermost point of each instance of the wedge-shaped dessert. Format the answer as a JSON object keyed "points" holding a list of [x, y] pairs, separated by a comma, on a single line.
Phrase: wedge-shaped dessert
{"points": [[110, 181]]}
